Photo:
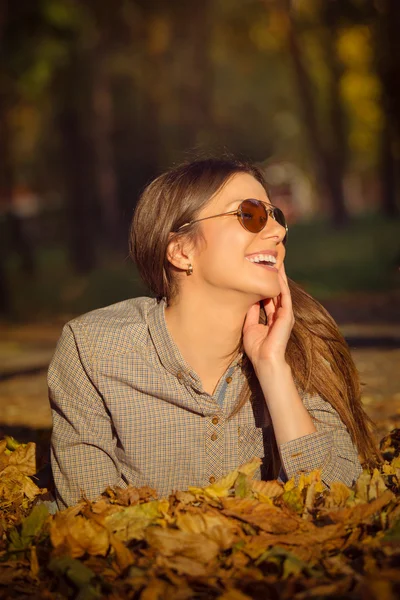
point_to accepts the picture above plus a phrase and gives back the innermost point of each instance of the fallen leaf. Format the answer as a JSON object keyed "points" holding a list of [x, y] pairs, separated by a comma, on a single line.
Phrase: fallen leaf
{"points": [[131, 522], [77, 535], [24, 459], [268, 518], [267, 490], [171, 542]]}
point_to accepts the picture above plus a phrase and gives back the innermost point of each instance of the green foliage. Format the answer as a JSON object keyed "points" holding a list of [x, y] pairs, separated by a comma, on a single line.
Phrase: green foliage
{"points": [[362, 257], [21, 540], [82, 578]]}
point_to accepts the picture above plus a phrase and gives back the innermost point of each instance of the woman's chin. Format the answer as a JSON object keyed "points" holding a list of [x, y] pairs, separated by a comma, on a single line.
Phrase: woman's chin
{"points": [[265, 292]]}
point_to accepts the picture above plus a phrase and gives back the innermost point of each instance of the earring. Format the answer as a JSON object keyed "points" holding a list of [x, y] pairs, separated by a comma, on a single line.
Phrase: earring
{"points": [[189, 270]]}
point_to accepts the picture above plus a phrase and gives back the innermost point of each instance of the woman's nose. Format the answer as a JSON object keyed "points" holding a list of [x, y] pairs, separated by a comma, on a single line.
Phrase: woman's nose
{"points": [[273, 229]]}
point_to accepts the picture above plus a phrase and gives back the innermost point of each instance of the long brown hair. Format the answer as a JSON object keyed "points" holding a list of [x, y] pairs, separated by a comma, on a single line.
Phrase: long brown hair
{"points": [[317, 353]]}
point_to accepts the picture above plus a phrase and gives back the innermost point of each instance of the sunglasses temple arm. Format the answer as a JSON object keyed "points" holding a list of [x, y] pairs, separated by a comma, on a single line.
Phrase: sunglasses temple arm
{"points": [[236, 212]]}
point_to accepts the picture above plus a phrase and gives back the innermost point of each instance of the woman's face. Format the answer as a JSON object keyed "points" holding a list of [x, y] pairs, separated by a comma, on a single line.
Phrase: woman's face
{"points": [[222, 260]]}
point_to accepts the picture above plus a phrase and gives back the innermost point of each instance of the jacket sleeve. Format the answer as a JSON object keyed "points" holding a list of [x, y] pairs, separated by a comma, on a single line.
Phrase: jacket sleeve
{"points": [[330, 448], [83, 446]]}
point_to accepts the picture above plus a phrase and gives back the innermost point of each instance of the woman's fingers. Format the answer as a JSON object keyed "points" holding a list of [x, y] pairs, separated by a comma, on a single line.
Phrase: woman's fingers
{"points": [[252, 316], [269, 308], [285, 296]]}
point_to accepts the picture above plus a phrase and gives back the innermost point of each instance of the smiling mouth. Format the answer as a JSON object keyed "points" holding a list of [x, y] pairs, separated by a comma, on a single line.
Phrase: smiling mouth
{"points": [[267, 261]]}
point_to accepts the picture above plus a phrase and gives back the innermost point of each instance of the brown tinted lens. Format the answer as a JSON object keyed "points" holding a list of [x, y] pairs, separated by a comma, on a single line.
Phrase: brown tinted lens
{"points": [[253, 215]]}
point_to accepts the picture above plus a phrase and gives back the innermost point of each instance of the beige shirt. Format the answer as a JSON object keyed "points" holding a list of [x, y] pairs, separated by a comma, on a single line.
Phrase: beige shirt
{"points": [[127, 409]]}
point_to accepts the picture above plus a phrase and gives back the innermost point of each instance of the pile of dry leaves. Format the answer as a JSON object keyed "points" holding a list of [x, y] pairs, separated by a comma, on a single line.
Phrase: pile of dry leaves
{"points": [[236, 539]]}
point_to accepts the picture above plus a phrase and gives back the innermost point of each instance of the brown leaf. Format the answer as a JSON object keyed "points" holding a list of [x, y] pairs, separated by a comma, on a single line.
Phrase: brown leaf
{"points": [[14, 485], [268, 518], [185, 497], [156, 589], [24, 459], [361, 512], [171, 542], [377, 485], [3, 446], [124, 556], [210, 523], [4, 458], [34, 562], [234, 595], [183, 565]]}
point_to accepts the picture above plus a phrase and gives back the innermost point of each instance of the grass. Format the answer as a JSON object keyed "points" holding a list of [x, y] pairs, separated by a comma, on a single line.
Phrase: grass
{"points": [[361, 258], [364, 257]]}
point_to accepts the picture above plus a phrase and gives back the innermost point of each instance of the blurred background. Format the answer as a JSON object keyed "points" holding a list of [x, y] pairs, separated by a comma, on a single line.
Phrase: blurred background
{"points": [[98, 97]]}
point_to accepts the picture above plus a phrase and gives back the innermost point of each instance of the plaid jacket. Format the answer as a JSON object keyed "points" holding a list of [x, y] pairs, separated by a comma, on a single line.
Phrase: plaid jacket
{"points": [[127, 409]]}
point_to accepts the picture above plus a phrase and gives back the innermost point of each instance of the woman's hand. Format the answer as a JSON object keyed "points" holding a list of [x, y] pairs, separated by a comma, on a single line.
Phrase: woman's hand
{"points": [[267, 343]]}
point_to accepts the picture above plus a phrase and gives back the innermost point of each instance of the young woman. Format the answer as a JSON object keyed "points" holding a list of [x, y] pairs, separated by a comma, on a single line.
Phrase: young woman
{"points": [[227, 362]]}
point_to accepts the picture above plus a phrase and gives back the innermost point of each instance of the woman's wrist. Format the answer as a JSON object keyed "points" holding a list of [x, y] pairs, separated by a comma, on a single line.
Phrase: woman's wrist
{"points": [[271, 368]]}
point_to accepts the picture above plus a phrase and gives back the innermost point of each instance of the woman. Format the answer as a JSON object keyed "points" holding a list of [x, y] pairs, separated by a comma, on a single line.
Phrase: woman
{"points": [[227, 362]]}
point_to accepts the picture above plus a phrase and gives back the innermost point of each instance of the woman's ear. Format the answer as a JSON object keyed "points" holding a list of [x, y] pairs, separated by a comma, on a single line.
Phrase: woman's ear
{"points": [[178, 253]]}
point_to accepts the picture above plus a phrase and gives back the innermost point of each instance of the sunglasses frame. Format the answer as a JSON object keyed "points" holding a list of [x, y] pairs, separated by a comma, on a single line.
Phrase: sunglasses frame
{"points": [[269, 209]]}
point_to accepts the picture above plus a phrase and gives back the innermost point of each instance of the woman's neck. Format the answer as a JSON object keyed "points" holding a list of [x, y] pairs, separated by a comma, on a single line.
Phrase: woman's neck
{"points": [[207, 329]]}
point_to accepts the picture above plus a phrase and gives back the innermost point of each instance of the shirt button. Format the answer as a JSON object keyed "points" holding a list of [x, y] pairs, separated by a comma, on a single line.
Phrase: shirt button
{"points": [[228, 379], [212, 479], [215, 420], [214, 437], [180, 376]]}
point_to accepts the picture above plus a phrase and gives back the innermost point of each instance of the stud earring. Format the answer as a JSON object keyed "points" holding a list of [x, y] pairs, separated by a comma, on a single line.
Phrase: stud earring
{"points": [[189, 270]]}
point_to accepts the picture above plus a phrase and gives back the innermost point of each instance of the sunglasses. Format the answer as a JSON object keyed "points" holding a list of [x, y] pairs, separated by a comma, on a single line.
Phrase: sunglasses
{"points": [[252, 215]]}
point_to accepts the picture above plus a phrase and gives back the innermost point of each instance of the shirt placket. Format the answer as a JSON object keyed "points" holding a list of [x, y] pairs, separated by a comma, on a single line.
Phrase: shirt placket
{"points": [[215, 431]]}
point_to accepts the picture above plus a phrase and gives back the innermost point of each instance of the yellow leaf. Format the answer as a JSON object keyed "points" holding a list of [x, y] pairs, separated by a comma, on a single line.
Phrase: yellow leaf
{"points": [[266, 490], [250, 467], [130, 523], [396, 462], [289, 485], [362, 485], [78, 535], [307, 479], [219, 489], [377, 485], [338, 496], [294, 500]]}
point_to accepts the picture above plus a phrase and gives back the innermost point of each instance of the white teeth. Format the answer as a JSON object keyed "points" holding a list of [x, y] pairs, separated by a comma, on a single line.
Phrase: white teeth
{"points": [[262, 257]]}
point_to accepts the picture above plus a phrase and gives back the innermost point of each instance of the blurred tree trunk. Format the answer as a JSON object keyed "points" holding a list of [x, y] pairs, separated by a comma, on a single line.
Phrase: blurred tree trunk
{"points": [[389, 167], [388, 66], [327, 155], [74, 122], [192, 28], [105, 174], [6, 198]]}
